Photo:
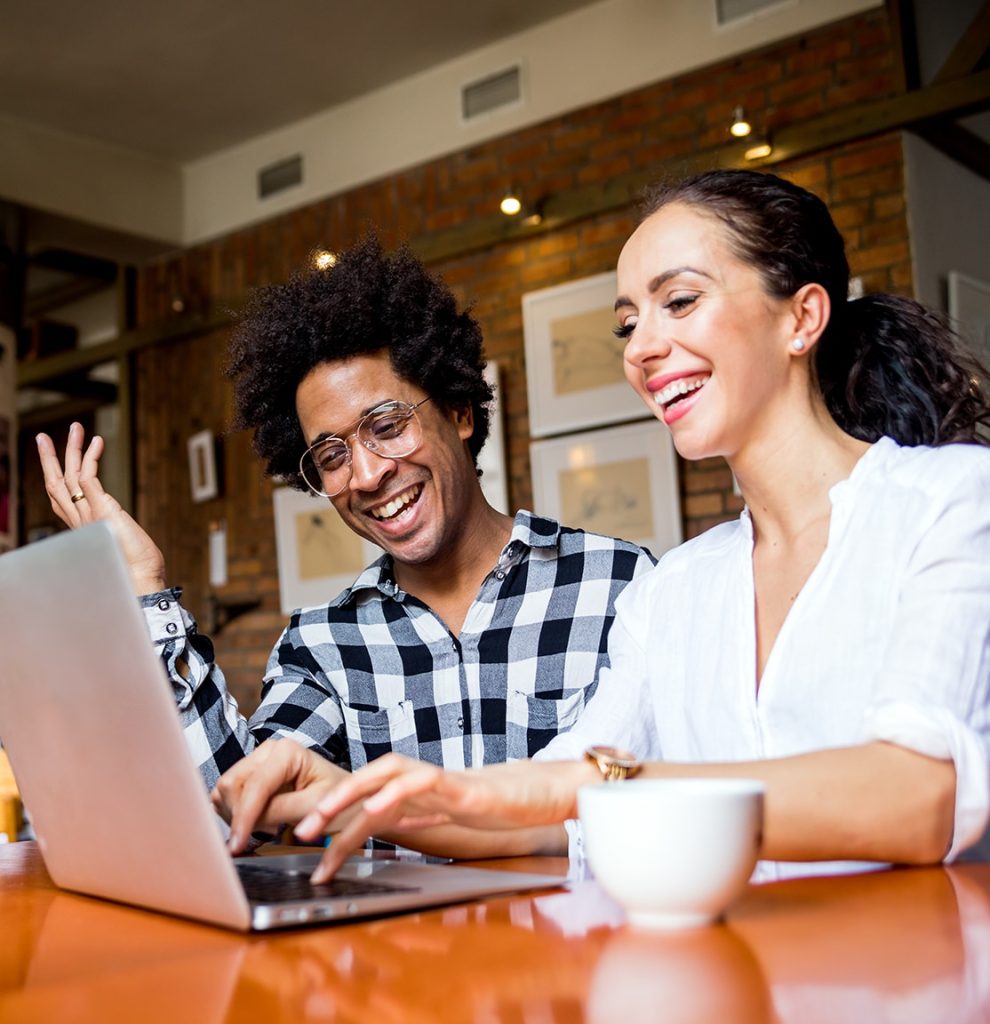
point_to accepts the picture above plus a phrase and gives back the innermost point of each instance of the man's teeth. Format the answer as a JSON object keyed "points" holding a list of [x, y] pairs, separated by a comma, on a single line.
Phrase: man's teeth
{"points": [[396, 505], [676, 388]]}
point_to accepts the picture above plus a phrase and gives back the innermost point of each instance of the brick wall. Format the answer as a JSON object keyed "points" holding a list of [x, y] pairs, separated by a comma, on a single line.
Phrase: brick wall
{"points": [[179, 388]]}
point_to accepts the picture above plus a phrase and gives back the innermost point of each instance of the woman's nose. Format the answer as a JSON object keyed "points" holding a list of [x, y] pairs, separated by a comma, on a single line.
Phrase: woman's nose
{"points": [[647, 342]]}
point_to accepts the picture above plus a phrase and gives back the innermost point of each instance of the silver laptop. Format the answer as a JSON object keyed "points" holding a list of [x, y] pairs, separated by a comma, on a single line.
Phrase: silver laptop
{"points": [[88, 719]]}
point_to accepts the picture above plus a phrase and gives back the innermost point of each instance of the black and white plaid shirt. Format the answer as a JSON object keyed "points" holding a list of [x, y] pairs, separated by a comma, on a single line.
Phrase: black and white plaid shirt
{"points": [[376, 670]]}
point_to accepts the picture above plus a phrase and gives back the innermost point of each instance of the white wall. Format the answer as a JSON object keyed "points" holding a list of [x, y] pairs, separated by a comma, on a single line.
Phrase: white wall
{"points": [[949, 220], [91, 182]]}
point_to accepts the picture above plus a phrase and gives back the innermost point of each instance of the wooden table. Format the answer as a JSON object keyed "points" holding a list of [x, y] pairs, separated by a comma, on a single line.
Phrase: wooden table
{"points": [[905, 945]]}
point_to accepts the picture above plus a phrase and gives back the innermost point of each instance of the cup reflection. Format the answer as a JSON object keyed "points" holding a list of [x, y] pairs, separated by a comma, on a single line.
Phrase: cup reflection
{"points": [[688, 977]]}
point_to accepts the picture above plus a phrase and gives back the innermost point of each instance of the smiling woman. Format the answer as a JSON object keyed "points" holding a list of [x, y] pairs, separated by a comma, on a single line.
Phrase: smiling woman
{"points": [[832, 642]]}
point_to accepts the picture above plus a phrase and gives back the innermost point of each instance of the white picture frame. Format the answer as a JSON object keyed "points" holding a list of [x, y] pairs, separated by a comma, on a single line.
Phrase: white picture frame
{"points": [[969, 309], [203, 482], [318, 554], [574, 374], [491, 458], [620, 481]]}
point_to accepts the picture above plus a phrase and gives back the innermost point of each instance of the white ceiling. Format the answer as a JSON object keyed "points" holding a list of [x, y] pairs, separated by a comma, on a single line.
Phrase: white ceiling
{"points": [[184, 78]]}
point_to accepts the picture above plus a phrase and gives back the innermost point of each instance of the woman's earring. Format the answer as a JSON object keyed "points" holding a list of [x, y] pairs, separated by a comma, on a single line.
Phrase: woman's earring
{"points": [[797, 345]]}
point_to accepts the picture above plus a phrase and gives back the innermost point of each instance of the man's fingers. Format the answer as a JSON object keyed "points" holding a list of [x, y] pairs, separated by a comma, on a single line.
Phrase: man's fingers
{"points": [[73, 454]]}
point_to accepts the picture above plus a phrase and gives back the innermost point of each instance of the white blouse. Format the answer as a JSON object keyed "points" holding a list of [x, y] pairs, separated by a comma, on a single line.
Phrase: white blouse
{"points": [[889, 639]]}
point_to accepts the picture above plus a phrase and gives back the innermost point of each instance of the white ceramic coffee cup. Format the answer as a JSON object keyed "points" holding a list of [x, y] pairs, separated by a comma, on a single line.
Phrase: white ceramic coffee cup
{"points": [[674, 853]]}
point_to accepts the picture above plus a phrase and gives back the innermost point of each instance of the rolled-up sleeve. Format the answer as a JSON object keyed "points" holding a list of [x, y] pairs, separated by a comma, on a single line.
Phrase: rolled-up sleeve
{"points": [[934, 693]]}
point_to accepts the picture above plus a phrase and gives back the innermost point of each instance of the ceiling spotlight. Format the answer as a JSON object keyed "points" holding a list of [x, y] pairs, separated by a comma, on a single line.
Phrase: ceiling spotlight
{"points": [[740, 127], [759, 150], [511, 204], [324, 259]]}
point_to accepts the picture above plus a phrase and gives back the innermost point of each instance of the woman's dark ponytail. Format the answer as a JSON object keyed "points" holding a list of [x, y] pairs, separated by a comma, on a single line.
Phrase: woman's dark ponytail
{"points": [[889, 366], [885, 365]]}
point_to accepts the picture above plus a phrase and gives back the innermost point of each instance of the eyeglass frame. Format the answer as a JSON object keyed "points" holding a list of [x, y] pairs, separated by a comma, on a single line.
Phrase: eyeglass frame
{"points": [[355, 433]]}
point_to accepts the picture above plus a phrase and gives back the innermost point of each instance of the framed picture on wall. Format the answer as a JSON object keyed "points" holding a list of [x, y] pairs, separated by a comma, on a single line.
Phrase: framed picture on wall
{"points": [[574, 373], [491, 458], [969, 308], [620, 481], [203, 481], [319, 555]]}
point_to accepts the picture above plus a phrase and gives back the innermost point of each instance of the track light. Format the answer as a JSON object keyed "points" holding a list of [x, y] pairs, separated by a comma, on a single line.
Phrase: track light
{"points": [[324, 259], [740, 127], [511, 204], [759, 149]]}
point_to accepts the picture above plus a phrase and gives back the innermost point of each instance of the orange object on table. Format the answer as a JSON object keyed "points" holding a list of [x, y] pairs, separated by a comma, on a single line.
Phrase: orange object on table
{"points": [[10, 802]]}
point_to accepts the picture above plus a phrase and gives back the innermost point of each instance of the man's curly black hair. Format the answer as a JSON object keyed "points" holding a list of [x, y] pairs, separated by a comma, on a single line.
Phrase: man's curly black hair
{"points": [[367, 302]]}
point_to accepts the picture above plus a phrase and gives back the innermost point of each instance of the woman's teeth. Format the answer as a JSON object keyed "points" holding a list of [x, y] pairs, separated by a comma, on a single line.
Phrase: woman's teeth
{"points": [[397, 504], [678, 388]]}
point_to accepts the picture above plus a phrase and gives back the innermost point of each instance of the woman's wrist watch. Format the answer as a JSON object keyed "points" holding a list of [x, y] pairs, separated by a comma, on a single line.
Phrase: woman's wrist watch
{"points": [[614, 764]]}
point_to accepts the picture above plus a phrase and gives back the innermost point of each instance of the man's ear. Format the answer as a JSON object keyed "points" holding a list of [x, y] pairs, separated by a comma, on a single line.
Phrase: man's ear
{"points": [[463, 420]]}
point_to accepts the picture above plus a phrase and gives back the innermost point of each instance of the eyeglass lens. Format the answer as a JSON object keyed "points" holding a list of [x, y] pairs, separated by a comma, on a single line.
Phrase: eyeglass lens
{"points": [[392, 431]]}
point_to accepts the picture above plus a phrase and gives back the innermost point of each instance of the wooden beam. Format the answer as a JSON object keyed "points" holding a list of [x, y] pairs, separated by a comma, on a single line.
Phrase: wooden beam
{"points": [[35, 374], [42, 416], [78, 385], [38, 303], [790, 142], [904, 36], [970, 50], [78, 264], [956, 99], [958, 143]]}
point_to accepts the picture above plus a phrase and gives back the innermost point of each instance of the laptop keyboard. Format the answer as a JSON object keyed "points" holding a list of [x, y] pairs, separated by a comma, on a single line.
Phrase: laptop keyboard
{"points": [[271, 885]]}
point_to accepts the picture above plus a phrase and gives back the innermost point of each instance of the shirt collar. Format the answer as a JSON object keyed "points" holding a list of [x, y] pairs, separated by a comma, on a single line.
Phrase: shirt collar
{"points": [[528, 531]]}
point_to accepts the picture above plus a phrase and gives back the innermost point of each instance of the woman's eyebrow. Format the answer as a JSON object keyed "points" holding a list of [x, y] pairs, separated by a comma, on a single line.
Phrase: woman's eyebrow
{"points": [[659, 281]]}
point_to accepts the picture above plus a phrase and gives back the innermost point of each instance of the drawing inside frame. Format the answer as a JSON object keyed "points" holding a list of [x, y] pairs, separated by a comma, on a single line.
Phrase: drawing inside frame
{"points": [[318, 554], [574, 372], [620, 481]]}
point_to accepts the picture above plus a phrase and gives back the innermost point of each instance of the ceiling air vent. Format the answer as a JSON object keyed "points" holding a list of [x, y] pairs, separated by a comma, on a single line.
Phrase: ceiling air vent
{"points": [[278, 177], [727, 11], [491, 93]]}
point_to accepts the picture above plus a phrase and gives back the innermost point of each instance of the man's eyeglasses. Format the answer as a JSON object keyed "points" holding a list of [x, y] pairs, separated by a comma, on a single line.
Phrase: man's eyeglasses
{"points": [[391, 430]]}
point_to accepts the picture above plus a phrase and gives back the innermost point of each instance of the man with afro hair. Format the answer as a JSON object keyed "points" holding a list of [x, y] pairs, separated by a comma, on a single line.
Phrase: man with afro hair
{"points": [[475, 637]]}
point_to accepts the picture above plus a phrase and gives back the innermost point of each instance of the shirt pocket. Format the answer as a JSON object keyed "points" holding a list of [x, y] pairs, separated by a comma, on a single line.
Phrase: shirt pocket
{"points": [[532, 722], [373, 732]]}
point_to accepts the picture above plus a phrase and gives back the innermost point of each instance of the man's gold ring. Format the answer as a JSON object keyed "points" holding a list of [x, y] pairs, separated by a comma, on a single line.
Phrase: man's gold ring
{"points": [[78, 496]]}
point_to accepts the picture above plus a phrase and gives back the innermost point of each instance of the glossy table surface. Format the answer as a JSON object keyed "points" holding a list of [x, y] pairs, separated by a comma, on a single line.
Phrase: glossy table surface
{"points": [[903, 945]]}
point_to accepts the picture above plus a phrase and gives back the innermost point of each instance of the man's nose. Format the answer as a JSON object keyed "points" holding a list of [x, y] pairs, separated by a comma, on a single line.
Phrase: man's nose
{"points": [[367, 469]]}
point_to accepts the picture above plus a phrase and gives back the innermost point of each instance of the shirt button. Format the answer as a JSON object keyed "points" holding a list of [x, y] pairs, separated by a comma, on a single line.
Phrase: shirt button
{"points": [[460, 723], [172, 628], [164, 605], [499, 575]]}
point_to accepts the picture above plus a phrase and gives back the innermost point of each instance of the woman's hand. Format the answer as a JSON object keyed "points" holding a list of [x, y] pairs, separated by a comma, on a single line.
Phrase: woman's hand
{"points": [[274, 786], [400, 793], [78, 498]]}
